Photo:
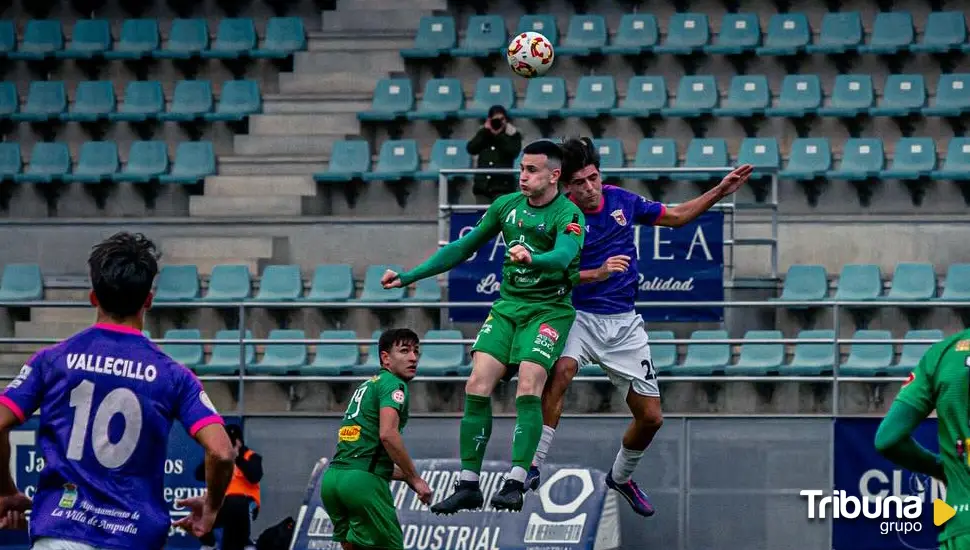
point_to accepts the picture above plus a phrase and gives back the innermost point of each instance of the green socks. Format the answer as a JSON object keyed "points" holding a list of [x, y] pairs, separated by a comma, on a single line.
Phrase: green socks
{"points": [[528, 430], [476, 428]]}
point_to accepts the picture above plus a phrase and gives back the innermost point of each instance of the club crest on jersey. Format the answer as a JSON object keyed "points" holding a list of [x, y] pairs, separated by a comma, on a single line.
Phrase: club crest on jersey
{"points": [[909, 379], [619, 216], [69, 496], [398, 397], [549, 332]]}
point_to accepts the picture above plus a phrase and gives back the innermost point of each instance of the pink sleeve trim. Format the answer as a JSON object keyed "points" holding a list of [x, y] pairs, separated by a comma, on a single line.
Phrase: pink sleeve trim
{"points": [[16, 410], [213, 419], [663, 210]]}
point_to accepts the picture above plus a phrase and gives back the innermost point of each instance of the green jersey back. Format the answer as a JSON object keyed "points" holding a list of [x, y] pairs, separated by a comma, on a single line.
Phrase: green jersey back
{"points": [[940, 382], [537, 229], [359, 438]]}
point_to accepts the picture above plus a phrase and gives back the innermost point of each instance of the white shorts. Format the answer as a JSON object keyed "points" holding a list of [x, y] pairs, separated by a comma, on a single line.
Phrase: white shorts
{"points": [[47, 543], [617, 343]]}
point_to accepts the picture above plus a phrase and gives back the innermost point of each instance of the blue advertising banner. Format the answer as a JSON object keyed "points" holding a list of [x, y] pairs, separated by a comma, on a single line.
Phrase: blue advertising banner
{"points": [[675, 265], [860, 471]]}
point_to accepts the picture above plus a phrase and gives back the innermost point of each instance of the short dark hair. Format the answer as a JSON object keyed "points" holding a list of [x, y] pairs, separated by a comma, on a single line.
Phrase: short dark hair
{"points": [[578, 153], [546, 147], [123, 269], [394, 337], [497, 110]]}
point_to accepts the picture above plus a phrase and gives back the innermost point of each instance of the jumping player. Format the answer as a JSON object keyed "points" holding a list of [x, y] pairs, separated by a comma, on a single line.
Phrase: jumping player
{"points": [[109, 397], [608, 330], [370, 452], [527, 325]]}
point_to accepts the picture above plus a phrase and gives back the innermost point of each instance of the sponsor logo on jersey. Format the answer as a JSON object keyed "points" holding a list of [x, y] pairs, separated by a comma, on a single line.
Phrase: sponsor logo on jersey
{"points": [[21, 377], [574, 228], [69, 496], [549, 332], [349, 433], [398, 397], [963, 345], [619, 216], [909, 379], [204, 398]]}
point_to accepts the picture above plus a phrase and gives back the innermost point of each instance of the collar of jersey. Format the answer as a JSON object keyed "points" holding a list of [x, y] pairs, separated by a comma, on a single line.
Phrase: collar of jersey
{"points": [[530, 205], [117, 328]]}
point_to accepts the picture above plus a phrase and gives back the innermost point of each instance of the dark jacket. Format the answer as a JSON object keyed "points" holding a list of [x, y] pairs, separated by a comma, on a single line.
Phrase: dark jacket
{"points": [[251, 468], [495, 151]]}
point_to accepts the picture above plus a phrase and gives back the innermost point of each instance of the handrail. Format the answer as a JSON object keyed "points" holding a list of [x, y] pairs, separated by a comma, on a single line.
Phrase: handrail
{"points": [[406, 304]]}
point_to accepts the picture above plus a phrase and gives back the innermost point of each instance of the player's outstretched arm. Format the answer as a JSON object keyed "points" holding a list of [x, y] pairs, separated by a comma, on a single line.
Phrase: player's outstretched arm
{"points": [[684, 213], [569, 241], [12, 501], [393, 443], [895, 442], [219, 464]]}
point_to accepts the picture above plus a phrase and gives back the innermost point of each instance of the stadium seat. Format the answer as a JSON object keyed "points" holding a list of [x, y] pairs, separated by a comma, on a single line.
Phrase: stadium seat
{"points": [[637, 33], [139, 38], [696, 96], [147, 160], [485, 35], [93, 100], [956, 285], [759, 359], [903, 94], [801, 95], [704, 153], [225, 357], [373, 291], [284, 37], [194, 160], [177, 283], [956, 165], [913, 282], [852, 95], [372, 363], [46, 100], [49, 161], [282, 358], [841, 33], [143, 100], [913, 158], [398, 159], [912, 352], [944, 31], [42, 39], [747, 96], [809, 158], [811, 359], [90, 38], [586, 35], [9, 101], [187, 38], [861, 158], [426, 290], [97, 162], [788, 34], [654, 153], [544, 97], [705, 358], [892, 32], [237, 100], [436, 37], [542, 23], [21, 283], [740, 32], [489, 91], [191, 100], [448, 154], [611, 153], [280, 283], [645, 95], [228, 283], [331, 283], [441, 359], [393, 98], [188, 355], [8, 38], [762, 153], [859, 283], [442, 98], [686, 33], [952, 96], [868, 359], [805, 283], [349, 159], [11, 162], [663, 356], [334, 359], [595, 96], [235, 38]]}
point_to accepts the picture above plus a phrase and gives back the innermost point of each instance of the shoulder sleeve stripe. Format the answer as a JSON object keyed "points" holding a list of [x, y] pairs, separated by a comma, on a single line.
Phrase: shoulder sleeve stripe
{"points": [[213, 419]]}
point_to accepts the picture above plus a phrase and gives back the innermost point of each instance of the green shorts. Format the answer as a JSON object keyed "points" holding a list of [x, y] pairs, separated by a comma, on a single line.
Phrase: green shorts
{"points": [[361, 509], [516, 331], [959, 542]]}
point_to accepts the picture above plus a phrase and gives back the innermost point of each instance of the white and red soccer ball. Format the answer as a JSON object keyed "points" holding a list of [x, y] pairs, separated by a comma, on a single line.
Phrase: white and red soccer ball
{"points": [[530, 54]]}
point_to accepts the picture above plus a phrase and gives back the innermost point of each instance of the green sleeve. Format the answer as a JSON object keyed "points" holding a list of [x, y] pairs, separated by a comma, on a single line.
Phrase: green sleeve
{"points": [[393, 395], [918, 391], [894, 441], [570, 230]]}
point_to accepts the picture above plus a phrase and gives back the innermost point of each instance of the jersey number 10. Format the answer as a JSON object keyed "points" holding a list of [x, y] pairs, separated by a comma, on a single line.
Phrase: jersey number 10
{"points": [[118, 401]]}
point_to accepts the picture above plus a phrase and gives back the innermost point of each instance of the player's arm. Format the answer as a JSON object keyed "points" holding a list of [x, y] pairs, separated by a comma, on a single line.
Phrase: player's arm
{"points": [[569, 241], [219, 462], [393, 443], [17, 404], [684, 213]]}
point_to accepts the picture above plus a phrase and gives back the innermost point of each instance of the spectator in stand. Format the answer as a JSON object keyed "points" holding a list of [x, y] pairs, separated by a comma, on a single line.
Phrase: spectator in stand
{"points": [[497, 144]]}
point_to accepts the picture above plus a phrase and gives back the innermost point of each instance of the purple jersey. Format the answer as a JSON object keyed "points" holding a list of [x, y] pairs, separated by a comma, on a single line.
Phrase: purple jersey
{"points": [[610, 232], [107, 398]]}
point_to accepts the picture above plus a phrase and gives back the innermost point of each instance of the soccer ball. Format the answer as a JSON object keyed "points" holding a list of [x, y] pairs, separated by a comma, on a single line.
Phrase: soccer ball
{"points": [[530, 54]]}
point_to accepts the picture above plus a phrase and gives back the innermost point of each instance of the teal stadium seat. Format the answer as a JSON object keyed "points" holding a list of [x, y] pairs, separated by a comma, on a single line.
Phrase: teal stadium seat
{"points": [[705, 358], [229, 283], [441, 359], [90, 38], [46, 100], [747, 96], [188, 355], [447, 154], [913, 282], [704, 153], [645, 96], [663, 356], [485, 35], [280, 283], [191, 100], [281, 358], [808, 159], [740, 33], [372, 364], [335, 359], [144, 100], [194, 160], [687, 33], [903, 94], [787, 34], [373, 291], [805, 283], [544, 97], [841, 32], [868, 359], [762, 154], [443, 98], [224, 358], [489, 91], [238, 100], [398, 159], [177, 283], [862, 158], [147, 161], [696, 96], [235, 39], [331, 283], [611, 153], [944, 31], [436, 37], [8, 38], [97, 162], [637, 33], [892, 32], [595, 97], [859, 283], [952, 96], [913, 158], [284, 37], [349, 159], [852, 95], [93, 101], [586, 35], [42, 39], [956, 285], [655, 153], [138, 39], [11, 163], [21, 283], [9, 101], [542, 23], [811, 359], [426, 290], [956, 164], [49, 162], [393, 98], [912, 352], [187, 38], [801, 95], [759, 359]]}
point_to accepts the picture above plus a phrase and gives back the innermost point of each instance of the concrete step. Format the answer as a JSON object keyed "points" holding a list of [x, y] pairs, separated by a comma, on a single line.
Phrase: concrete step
{"points": [[66, 294], [350, 41], [12, 361], [311, 103], [259, 186], [371, 20], [303, 124], [284, 145], [376, 62], [48, 329], [219, 248], [62, 315], [345, 84], [245, 207], [271, 165]]}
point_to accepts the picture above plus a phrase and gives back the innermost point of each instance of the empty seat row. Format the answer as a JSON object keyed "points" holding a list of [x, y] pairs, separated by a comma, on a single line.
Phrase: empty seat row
{"points": [[911, 282], [141, 38], [99, 161], [691, 33], [143, 100]]}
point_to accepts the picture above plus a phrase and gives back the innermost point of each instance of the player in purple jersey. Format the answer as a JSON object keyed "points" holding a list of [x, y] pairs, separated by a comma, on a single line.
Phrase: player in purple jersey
{"points": [[607, 330], [107, 398]]}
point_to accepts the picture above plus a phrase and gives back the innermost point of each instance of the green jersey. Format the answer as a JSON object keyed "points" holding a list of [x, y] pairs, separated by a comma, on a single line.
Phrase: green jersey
{"points": [[359, 438], [940, 382]]}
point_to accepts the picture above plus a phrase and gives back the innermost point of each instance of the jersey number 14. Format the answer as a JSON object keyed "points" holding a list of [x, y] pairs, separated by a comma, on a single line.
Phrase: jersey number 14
{"points": [[118, 401]]}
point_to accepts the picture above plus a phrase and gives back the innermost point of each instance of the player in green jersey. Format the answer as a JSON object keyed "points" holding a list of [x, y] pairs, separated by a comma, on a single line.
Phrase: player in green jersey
{"points": [[370, 452], [527, 325], [939, 382]]}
